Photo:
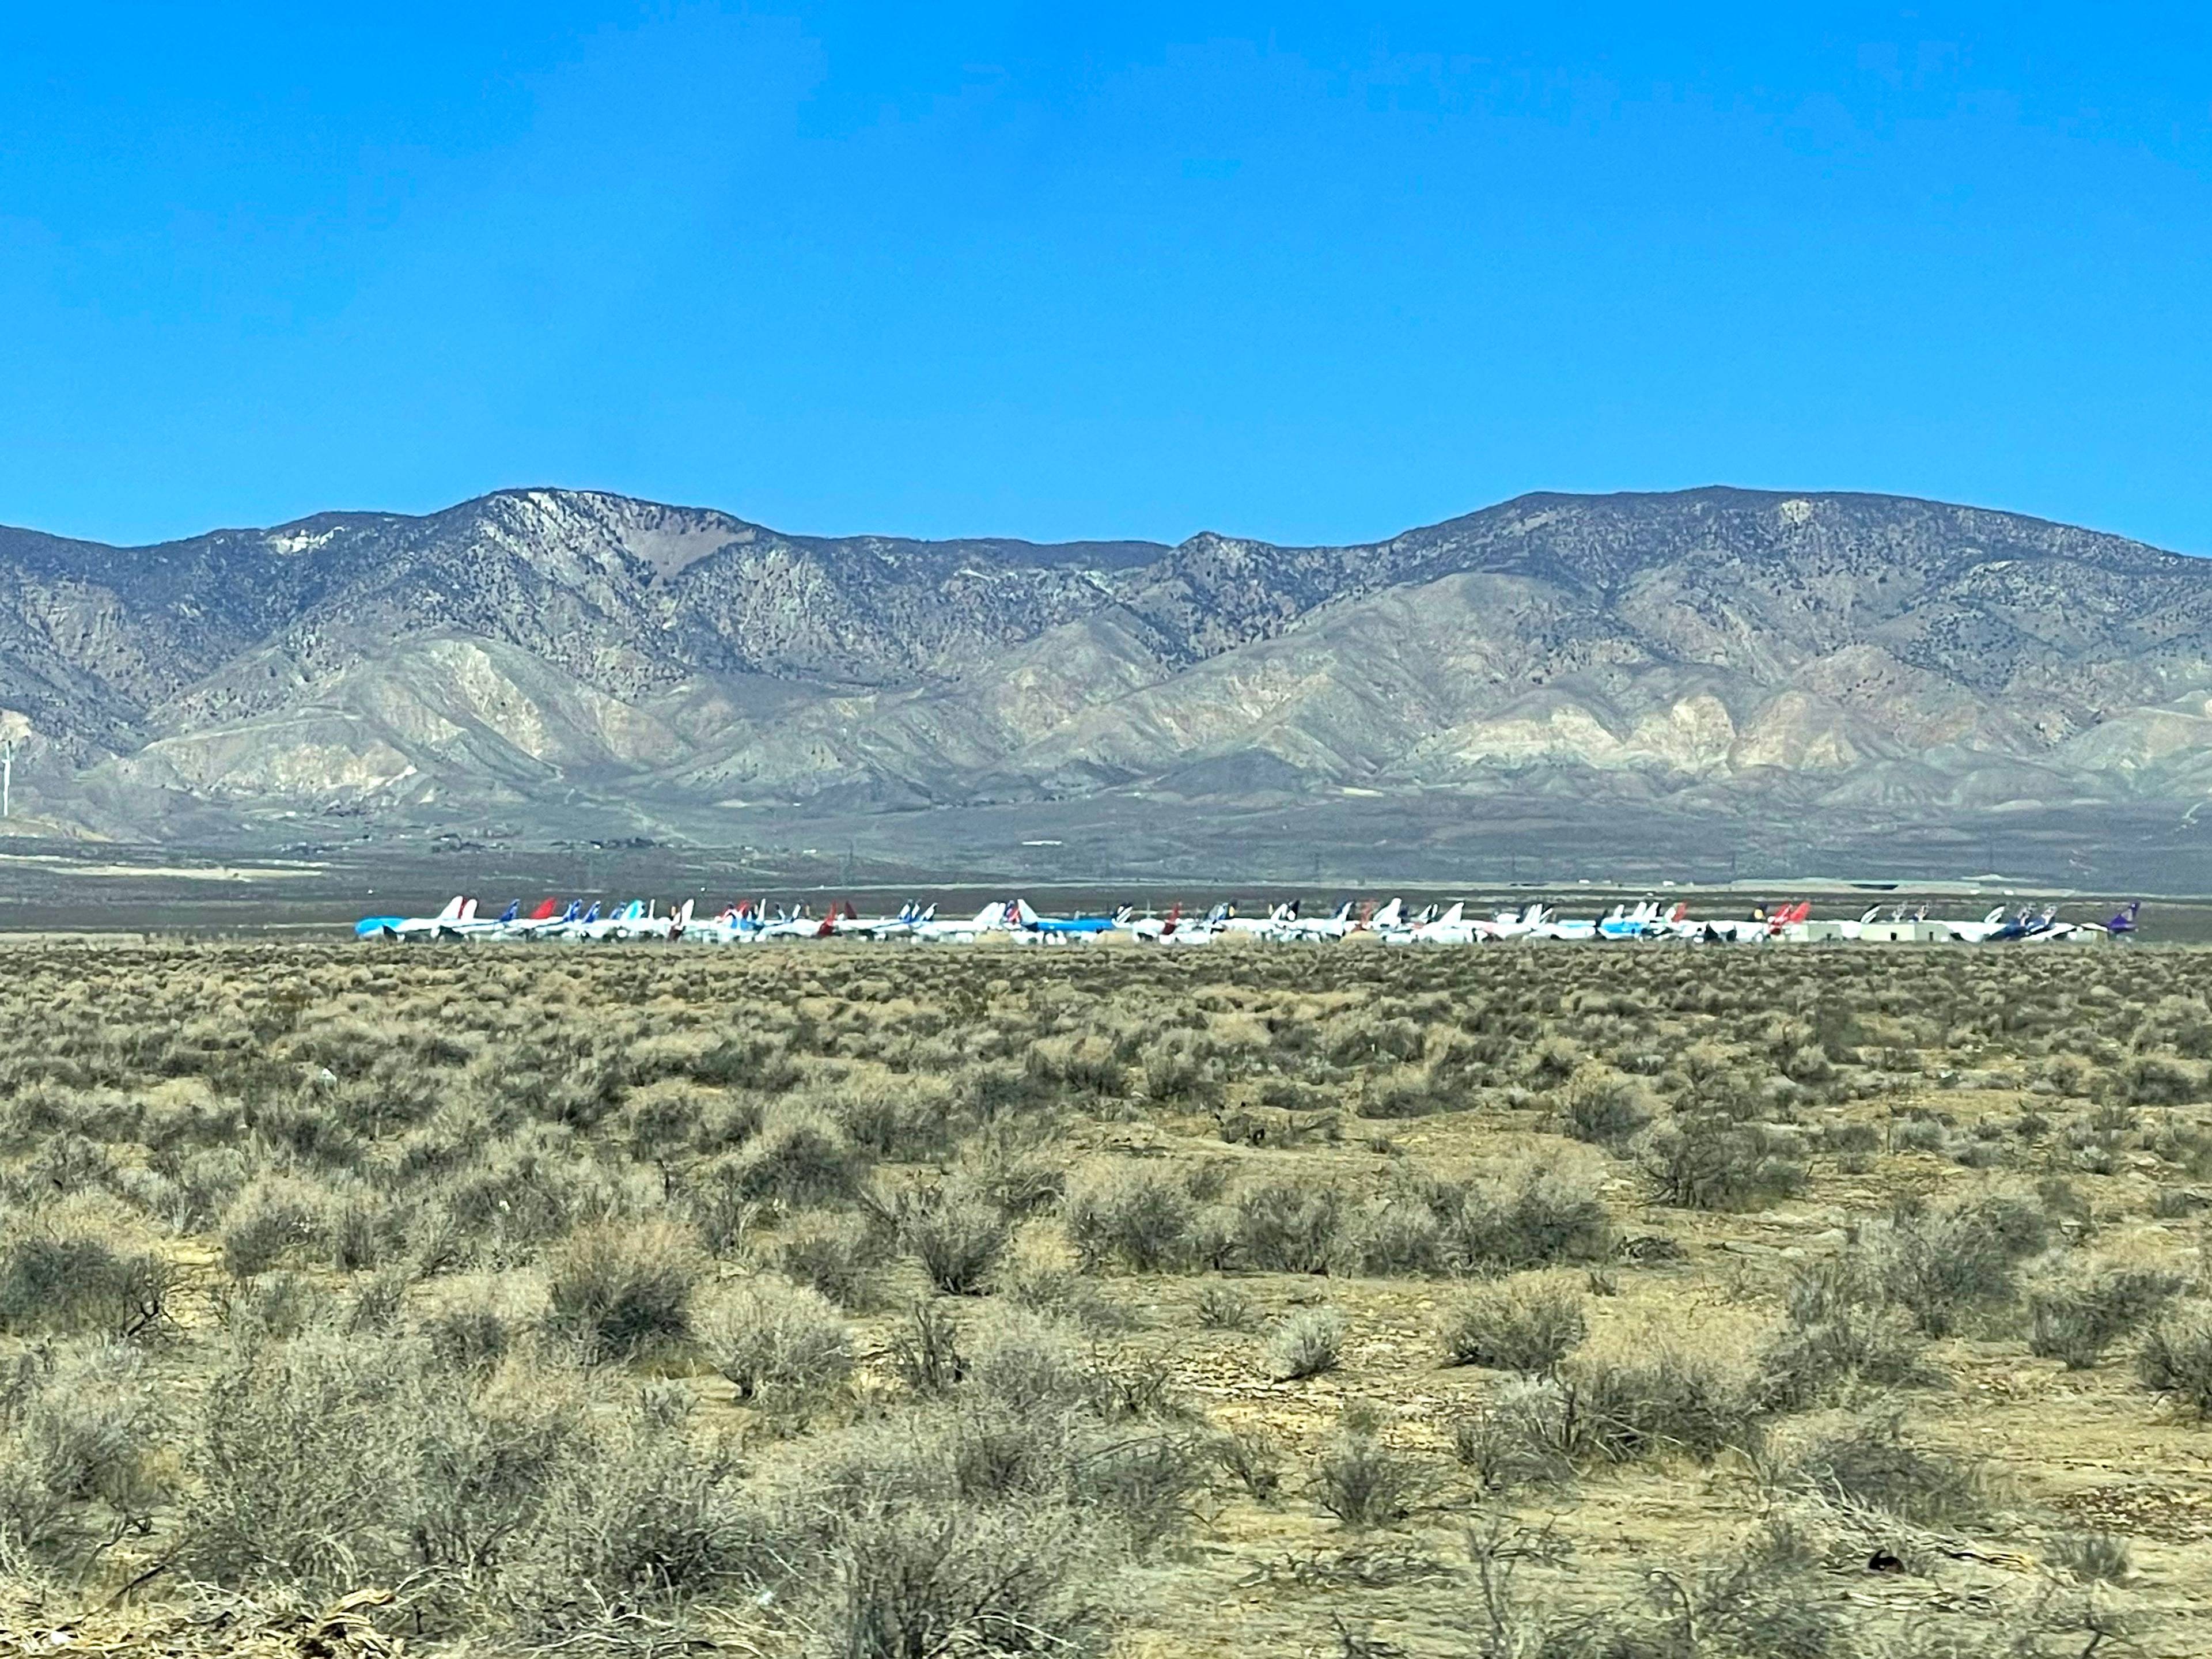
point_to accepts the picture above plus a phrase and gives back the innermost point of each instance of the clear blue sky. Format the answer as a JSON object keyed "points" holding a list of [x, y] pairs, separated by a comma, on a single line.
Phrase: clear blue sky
{"points": [[1311, 273]]}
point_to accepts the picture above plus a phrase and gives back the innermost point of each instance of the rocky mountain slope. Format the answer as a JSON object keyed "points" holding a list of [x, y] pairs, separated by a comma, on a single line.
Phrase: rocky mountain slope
{"points": [[538, 652]]}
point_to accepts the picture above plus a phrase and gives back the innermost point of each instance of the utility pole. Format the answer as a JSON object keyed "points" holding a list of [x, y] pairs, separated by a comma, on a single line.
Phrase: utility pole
{"points": [[7, 772]]}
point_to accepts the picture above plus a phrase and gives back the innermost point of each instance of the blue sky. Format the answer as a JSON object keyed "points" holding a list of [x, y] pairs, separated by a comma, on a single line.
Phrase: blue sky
{"points": [[1308, 273]]}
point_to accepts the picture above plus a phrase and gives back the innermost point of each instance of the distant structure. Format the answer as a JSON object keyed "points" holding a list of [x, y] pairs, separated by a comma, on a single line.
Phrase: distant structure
{"points": [[7, 773]]}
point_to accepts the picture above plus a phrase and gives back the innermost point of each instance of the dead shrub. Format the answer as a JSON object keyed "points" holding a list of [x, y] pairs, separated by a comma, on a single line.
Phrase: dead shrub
{"points": [[927, 1355], [1526, 1325], [2093, 1558], [1944, 1263], [1706, 1160], [833, 1253], [1605, 1109], [1308, 1343], [944, 1579], [1287, 1226], [619, 1289], [767, 1335], [272, 1218], [1252, 1456], [801, 1156], [2176, 1359], [81, 1437], [74, 1278], [1871, 1462], [1841, 1335], [1130, 1212], [1362, 1481], [1527, 1214], [957, 1235], [2077, 1317]]}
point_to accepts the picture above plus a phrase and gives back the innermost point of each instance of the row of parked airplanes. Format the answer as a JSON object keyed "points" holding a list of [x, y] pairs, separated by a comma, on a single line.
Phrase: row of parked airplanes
{"points": [[750, 922]]}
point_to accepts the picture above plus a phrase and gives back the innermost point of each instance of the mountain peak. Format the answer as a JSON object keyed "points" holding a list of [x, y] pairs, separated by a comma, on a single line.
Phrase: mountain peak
{"points": [[539, 646]]}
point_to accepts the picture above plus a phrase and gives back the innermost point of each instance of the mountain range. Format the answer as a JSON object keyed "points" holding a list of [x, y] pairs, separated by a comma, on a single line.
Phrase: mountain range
{"points": [[1789, 669]]}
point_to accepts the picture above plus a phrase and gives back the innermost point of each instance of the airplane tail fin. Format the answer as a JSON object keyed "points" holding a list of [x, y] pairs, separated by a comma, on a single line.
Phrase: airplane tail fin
{"points": [[546, 911], [453, 910], [510, 913]]}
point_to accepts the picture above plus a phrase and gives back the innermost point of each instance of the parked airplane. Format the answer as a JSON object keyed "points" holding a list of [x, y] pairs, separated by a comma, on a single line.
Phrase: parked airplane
{"points": [[1257, 926], [1329, 927], [1175, 929], [1025, 920], [1452, 926], [750, 921], [469, 927], [852, 925], [1624, 923], [1511, 924], [540, 921], [1974, 932], [414, 927], [991, 919]]}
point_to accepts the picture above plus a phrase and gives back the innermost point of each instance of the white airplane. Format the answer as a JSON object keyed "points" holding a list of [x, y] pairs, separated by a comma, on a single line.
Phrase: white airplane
{"points": [[991, 919], [1757, 928], [628, 923], [1256, 926], [1318, 929], [726, 927], [1627, 923], [1513, 924], [1975, 933], [1453, 927], [852, 925], [1561, 927], [417, 927], [801, 923], [545, 920], [1390, 916], [472, 926], [1176, 928]]}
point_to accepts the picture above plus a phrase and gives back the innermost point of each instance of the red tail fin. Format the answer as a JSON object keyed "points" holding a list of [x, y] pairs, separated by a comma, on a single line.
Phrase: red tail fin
{"points": [[545, 912]]}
